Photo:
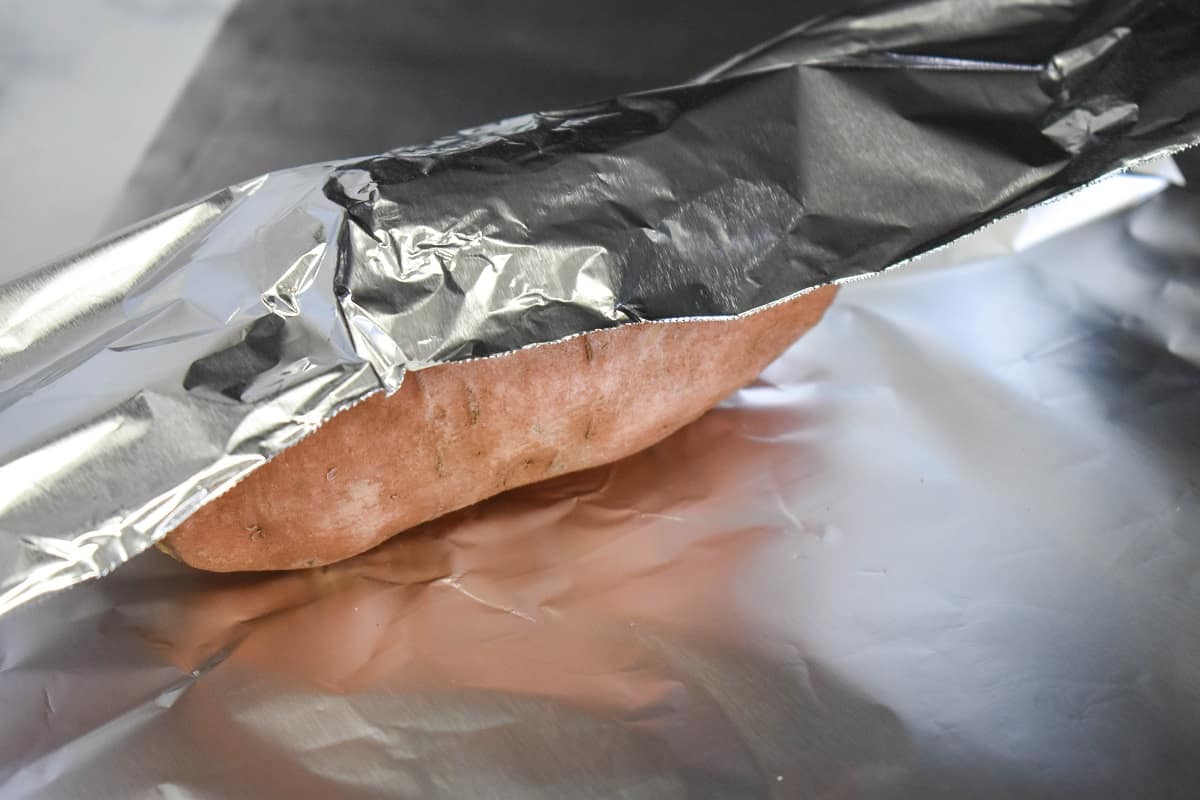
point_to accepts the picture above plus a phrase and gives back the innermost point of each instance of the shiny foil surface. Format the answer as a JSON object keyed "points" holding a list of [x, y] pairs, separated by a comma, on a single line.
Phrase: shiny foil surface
{"points": [[145, 376], [945, 547]]}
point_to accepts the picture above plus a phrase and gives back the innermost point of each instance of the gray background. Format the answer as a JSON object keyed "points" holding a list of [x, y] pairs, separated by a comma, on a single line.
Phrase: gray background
{"points": [[84, 86]]}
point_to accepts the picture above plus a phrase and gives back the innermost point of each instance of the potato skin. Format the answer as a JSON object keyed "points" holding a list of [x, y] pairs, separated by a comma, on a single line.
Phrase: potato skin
{"points": [[458, 433]]}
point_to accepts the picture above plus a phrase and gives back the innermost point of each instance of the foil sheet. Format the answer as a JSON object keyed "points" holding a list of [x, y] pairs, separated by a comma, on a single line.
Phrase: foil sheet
{"points": [[149, 374], [955, 558]]}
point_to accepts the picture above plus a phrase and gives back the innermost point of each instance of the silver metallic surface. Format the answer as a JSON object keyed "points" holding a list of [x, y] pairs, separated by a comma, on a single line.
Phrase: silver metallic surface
{"points": [[946, 547], [149, 374]]}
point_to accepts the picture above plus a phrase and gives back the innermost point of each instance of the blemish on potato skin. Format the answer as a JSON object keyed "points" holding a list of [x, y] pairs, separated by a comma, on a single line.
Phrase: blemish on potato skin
{"points": [[256, 532], [542, 463], [588, 353], [472, 406], [331, 474]]}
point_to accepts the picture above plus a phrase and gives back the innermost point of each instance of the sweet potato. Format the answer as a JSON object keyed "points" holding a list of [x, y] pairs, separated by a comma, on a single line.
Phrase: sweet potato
{"points": [[458, 433]]}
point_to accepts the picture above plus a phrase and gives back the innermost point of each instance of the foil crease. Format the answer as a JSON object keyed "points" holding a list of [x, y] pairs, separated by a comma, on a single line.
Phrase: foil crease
{"points": [[149, 374]]}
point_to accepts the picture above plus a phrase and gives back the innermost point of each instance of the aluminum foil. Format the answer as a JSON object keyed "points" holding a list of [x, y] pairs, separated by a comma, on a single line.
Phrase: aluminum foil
{"points": [[955, 558], [945, 547], [149, 374]]}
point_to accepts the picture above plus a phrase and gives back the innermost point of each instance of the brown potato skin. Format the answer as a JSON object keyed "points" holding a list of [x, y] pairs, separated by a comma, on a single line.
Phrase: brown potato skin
{"points": [[458, 433]]}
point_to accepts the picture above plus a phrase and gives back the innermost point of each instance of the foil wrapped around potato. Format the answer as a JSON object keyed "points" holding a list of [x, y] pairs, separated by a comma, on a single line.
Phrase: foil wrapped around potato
{"points": [[152, 372]]}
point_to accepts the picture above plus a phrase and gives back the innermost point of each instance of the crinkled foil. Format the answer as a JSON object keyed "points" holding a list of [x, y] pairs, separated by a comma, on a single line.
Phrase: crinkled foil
{"points": [[145, 376]]}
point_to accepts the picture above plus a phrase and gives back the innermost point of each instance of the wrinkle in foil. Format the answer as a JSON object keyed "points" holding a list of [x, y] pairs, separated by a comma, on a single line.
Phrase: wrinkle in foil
{"points": [[166, 364]]}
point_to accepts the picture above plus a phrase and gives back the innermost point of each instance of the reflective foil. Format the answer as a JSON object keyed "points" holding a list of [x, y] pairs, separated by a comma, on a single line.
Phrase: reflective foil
{"points": [[945, 547], [149, 374]]}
